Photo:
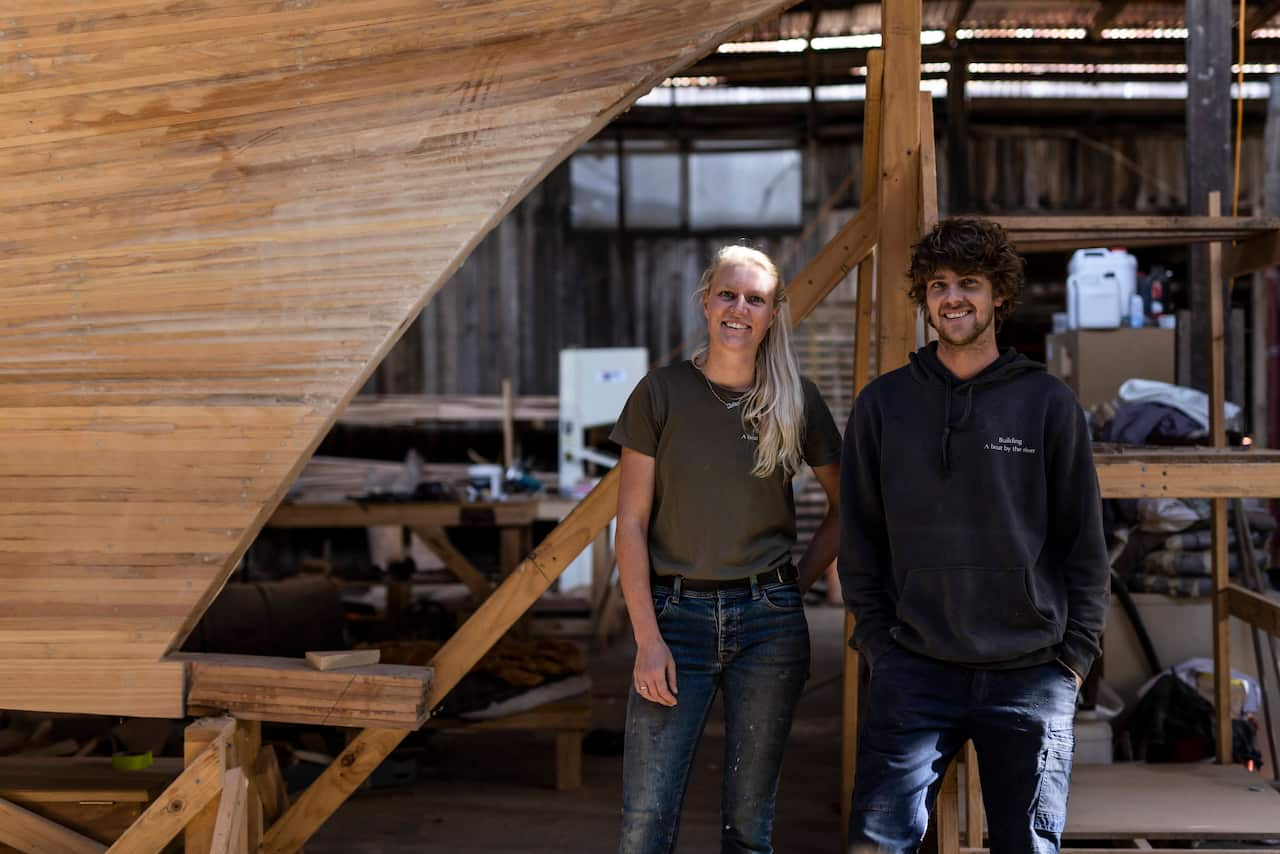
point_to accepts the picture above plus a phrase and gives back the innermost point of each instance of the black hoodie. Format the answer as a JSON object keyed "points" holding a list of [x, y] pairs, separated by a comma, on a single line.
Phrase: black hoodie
{"points": [[971, 524]]}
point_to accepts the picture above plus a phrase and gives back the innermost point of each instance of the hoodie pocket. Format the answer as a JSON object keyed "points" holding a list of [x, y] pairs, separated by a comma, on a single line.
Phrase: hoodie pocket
{"points": [[973, 614]]}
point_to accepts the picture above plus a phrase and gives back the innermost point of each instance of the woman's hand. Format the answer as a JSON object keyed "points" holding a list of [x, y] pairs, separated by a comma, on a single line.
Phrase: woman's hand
{"points": [[655, 673]]}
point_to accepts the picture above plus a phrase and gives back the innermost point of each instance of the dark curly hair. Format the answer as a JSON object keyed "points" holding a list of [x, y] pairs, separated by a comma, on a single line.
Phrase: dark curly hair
{"points": [[967, 244]]}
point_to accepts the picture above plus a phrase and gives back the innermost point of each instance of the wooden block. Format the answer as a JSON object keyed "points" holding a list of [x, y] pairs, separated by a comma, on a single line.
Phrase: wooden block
{"points": [[145, 689], [286, 690], [339, 659], [270, 783], [34, 834], [947, 812]]}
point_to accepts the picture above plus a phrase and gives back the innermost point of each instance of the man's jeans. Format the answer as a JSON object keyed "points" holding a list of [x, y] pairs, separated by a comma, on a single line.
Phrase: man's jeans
{"points": [[920, 711], [755, 645]]}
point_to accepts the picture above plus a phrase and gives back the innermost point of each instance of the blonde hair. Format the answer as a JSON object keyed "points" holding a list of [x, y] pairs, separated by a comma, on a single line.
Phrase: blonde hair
{"points": [[773, 408]]}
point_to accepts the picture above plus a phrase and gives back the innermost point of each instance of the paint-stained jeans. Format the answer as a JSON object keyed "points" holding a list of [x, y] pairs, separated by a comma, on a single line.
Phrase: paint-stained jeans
{"points": [[920, 711], [753, 644]]}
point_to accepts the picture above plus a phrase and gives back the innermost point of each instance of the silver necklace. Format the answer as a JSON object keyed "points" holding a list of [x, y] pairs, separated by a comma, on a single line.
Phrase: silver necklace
{"points": [[727, 404]]}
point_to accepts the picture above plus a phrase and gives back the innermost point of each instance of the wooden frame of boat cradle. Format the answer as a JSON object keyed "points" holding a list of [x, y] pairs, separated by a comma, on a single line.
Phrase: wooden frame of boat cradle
{"points": [[229, 787]]}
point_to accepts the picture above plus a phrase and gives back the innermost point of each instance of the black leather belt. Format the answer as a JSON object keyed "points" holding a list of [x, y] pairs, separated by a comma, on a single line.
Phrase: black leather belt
{"points": [[782, 575]]}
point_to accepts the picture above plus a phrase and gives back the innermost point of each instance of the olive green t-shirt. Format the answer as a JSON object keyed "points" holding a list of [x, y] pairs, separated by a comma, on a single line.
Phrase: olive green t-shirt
{"points": [[711, 518]]}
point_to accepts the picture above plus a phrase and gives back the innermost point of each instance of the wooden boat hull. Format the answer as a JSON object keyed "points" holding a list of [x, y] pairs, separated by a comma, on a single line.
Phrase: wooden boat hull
{"points": [[215, 220]]}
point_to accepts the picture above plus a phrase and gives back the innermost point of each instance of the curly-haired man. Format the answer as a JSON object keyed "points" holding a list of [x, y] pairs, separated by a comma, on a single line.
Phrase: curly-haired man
{"points": [[973, 559]]}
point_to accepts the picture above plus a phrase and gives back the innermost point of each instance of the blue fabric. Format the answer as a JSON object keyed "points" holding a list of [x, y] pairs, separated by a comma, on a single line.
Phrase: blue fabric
{"points": [[754, 645], [921, 711]]}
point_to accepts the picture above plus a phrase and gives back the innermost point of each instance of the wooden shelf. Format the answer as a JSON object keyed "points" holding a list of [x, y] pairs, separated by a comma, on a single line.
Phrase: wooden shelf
{"points": [[1055, 233], [1134, 472]]}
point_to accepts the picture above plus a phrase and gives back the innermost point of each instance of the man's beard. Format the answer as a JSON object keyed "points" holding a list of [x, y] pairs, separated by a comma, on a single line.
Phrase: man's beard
{"points": [[980, 326]]}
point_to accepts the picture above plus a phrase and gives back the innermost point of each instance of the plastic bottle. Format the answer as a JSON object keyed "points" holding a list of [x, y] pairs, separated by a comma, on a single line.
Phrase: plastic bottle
{"points": [[1137, 318]]}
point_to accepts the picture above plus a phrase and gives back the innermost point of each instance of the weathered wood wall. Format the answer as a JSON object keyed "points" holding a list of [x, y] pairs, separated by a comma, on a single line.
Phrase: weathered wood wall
{"points": [[537, 285]]}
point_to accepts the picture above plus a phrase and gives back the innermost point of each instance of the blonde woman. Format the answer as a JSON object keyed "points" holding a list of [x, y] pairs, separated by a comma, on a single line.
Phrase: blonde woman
{"points": [[706, 524]]}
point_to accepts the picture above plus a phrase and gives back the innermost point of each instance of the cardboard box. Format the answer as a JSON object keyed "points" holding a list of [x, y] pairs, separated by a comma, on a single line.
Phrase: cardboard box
{"points": [[1096, 362]]}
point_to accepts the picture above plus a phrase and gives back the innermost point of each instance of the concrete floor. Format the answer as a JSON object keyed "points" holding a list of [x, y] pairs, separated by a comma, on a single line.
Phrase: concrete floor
{"points": [[489, 792]]}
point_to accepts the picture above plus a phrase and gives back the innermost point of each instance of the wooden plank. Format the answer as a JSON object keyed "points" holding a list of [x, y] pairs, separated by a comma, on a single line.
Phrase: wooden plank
{"points": [[198, 785], [408, 409], [335, 784], [1125, 479], [286, 690], [928, 166], [972, 798], [343, 658], [899, 190], [853, 243], [435, 538], [269, 782], [147, 689], [350, 514], [864, 335], [508, 425], [1218, 518], [197, 836], [1254, 608], [947, 812], [34, 834], [1130, 800], [230, 833]]}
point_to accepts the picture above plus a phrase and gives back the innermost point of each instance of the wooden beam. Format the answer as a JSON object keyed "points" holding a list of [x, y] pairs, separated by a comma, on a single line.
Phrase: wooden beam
{"points": [[851, 245], [343, 658], [863, 336], [335, 784], [144, 689], [947, 812], [508, 425], [230, 833], [1254, 608], [185, 798], [972, 798], [1218, 517], [269, 782], [1228, 473], [435, 538], [928, 166], [1104, 16], [350, 514], [197, 836], [899, 187], [35, 834], [287, 690]]}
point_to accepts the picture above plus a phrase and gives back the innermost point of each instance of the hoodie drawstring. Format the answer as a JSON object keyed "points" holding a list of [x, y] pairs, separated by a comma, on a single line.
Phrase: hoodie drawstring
{"points": [[946, 430]]}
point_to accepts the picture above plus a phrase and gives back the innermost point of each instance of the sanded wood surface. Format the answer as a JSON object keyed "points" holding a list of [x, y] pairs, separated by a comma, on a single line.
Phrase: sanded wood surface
{"points": [[217, 218], [288, 690], [108, 687]]}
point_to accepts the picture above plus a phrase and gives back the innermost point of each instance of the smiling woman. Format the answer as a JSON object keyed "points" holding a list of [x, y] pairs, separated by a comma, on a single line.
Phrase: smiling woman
{"points": [[706, 522]]}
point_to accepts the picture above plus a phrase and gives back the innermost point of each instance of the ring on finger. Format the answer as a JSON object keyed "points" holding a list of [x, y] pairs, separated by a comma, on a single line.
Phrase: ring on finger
{"points": [[644, 688]]}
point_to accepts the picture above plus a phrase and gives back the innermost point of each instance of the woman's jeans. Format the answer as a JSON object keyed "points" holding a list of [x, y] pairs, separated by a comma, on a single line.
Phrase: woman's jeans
{"points": [[920, 711], [753, 644]]}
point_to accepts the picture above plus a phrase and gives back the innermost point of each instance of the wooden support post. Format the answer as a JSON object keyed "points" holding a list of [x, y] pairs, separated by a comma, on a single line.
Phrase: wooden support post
{"points": [[269, 783], [198, 834], [531, 578], [1218, 435], [947, 813], [568, 759], [35, 834], [1208, 152], [230, 832], [188, 795], [863, 336], [972, 798], [959, 194], [899, 190], [508, 425], [435, 539]]}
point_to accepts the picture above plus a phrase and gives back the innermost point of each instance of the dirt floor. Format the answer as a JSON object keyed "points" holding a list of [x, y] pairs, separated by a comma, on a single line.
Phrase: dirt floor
{"points": [[492, 791]]}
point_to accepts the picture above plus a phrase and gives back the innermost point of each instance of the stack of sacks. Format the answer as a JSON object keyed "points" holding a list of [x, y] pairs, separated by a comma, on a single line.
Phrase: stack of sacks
{"points": [[1172, 551]]}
